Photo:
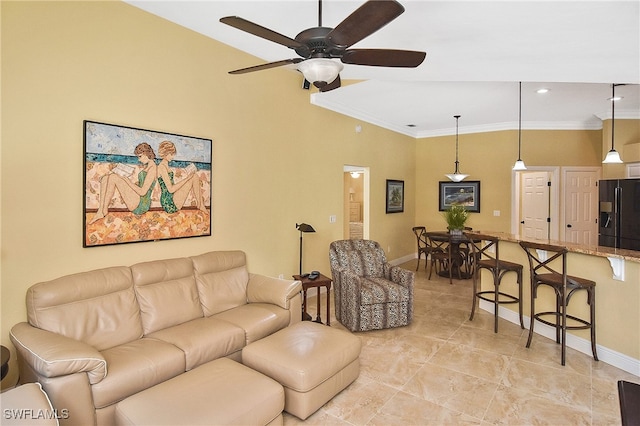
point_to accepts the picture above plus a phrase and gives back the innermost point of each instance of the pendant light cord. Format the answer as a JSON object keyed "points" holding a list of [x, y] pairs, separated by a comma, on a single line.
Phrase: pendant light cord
{"points": [[456, 117], [519, 121], [613, 114]]}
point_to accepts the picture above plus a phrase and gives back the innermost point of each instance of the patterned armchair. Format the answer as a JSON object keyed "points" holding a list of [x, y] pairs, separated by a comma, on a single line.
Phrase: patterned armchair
{"points": [[370, 294]]}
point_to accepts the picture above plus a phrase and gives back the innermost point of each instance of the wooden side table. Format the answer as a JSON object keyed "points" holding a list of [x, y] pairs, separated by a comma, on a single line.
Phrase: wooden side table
{"points": [[321, 281]]}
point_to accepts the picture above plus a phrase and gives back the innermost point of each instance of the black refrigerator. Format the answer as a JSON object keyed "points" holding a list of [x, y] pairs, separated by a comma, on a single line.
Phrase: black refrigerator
{"points": [[619, 221]]}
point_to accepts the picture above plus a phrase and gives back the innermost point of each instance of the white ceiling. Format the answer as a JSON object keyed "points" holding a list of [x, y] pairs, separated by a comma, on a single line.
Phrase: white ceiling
{"points": [[477, 52]]}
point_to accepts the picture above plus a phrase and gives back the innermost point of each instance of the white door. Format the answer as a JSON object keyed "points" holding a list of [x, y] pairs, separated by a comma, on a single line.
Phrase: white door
{"points": [[534, 222], [581, 207]]}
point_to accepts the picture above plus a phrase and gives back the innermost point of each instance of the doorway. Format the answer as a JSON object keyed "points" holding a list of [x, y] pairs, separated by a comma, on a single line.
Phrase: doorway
{"points": [[356, 202]]}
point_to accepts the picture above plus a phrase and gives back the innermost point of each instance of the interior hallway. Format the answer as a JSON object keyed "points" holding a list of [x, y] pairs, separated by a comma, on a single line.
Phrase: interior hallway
{"points": [[445, 369]]}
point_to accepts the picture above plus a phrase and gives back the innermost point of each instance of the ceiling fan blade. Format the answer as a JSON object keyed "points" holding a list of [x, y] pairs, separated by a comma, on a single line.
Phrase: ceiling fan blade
{"points": [[384, 57], [260, 31], [364, 21], [333, 85], [266, 66]]}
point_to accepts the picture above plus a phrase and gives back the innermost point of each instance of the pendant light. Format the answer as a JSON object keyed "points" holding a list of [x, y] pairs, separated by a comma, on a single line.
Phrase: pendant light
{"points": [[612, 156], [519, 163], [456, 176]]}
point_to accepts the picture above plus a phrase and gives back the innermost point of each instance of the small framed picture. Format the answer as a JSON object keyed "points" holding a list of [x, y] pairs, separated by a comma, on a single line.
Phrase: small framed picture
{"points": [[395, 196], [464, 193]]}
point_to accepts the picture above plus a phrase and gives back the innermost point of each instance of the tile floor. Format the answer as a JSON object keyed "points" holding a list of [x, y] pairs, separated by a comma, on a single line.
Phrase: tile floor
{"points": [[445, 369]]}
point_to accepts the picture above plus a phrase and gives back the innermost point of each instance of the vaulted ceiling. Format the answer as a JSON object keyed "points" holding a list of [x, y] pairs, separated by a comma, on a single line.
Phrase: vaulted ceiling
{"points": [[477, 52]]}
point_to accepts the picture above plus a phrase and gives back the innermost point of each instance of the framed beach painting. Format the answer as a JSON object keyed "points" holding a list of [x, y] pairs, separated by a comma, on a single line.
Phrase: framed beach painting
{"points": [[144, 185], [395, 196], [463, 193]]}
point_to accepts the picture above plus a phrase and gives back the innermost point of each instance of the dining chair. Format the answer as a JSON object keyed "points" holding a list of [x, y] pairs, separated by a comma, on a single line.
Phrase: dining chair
{"points": [[441, 254], [485, 254], [544, 273], [423, 245]]}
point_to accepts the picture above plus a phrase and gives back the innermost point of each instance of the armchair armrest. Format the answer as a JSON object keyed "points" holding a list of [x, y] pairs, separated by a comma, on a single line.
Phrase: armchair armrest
{"points": [[263, 289], [401, 276], [53, 355]]}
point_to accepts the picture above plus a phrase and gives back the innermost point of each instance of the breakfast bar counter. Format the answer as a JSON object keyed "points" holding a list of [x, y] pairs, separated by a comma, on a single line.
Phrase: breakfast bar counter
{"points": [[617, 276]]}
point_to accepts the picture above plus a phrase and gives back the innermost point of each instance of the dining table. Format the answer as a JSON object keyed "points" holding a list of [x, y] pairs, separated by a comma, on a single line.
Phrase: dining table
{"points": [[459, 256]]}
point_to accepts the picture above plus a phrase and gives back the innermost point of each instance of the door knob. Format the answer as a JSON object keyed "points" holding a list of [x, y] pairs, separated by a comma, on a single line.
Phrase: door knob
{"points": [[568, 225], [522, 222]]}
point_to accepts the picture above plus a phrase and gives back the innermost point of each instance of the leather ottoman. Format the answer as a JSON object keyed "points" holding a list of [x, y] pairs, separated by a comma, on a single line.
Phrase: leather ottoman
{"points": [[312, 361], [220, 392]]}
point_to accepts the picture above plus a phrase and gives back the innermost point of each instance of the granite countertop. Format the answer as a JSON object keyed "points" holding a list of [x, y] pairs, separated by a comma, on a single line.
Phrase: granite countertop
{"points": [[631, 255]]}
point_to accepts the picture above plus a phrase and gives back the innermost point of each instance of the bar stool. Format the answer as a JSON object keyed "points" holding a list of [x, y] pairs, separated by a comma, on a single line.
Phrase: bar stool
{"points": [[488, 257], [564, 286]]}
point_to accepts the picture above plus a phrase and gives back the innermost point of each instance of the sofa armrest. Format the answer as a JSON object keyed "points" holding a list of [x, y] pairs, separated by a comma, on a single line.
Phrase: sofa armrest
{"points": [[52, 355], [263, 289]]}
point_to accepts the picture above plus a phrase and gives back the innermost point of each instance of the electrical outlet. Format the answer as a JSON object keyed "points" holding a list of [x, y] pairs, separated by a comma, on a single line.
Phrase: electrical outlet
{"points": [[496, 212], [332, 218], [281, 276]]}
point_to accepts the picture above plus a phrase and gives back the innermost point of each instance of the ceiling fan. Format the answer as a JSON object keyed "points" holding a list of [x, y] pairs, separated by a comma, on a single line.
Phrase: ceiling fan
{"points": [[317, 46]]}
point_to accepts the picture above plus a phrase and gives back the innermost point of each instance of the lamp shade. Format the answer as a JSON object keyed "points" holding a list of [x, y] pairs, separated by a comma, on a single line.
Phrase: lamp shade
{"points": [[456, 177], [320, 70], [519, 166], [304, 227], [612, 157]]}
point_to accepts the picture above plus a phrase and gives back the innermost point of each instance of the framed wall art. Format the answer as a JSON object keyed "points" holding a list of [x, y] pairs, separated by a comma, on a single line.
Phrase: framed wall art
{"points": [[144, 185], [395, 196], [463, 193]]}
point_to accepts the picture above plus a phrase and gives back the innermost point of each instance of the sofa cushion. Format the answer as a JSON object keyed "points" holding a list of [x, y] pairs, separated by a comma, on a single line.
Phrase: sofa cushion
{"points": [[97, 307], [136, 366], [203, 339], [167, 294], [257, 320], [222, 279]]}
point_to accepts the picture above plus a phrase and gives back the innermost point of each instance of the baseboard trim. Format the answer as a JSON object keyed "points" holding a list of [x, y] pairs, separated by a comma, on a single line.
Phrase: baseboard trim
{"points": [[617, 359]]}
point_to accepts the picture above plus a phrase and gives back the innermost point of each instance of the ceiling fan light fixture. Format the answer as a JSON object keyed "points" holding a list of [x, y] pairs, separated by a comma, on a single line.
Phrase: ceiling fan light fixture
{"points": [[320, 70]]}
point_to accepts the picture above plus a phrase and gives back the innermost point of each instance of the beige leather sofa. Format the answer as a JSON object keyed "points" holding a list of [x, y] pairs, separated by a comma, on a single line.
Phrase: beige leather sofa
{"points": [[95, 338]]}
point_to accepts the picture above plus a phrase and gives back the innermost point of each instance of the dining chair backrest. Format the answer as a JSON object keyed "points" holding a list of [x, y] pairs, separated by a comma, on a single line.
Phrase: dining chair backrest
{"points": [[438, 241], [421, 237]]}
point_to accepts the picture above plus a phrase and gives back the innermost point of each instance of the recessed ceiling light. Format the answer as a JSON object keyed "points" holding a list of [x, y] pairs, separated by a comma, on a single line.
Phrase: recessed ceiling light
{"points": [[542, 90]]}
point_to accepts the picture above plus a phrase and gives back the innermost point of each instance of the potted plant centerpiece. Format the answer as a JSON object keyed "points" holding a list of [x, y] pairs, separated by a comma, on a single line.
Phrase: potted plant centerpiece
{"points": [[456, 216]]}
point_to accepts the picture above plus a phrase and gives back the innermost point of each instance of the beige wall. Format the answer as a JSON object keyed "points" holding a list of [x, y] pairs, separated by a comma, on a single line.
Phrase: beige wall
{"points": [[277, 159]]}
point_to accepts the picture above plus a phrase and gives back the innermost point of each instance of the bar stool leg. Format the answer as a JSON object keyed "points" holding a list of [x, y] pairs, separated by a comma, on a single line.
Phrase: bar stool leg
{"points": [[533, 313], [592, 309], [519, 272], [496, 305]]}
